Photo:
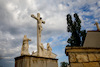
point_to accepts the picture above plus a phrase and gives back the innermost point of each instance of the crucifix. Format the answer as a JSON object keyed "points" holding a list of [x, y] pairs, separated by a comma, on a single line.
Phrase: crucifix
{"points": [[39, 29]]}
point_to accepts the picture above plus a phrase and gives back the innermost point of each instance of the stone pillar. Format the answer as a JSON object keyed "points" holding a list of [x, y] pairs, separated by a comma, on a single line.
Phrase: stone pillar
{"points": [[83, 56]]}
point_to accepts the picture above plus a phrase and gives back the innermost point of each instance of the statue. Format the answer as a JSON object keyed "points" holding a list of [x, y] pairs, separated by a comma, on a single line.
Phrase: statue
{"points": [[42, 47], [25, 46], [39, 29], [45, 52], [41, 50], [49, 50], [97, 25]]}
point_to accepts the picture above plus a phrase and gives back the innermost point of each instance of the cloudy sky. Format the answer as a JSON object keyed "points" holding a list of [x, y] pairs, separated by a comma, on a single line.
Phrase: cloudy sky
{"points": [[15, 22]]}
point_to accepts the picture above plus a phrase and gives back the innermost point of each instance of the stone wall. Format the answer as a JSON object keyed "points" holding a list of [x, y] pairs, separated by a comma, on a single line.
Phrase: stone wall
{"points": [[92, 39], [34, 61], [83, 56]]}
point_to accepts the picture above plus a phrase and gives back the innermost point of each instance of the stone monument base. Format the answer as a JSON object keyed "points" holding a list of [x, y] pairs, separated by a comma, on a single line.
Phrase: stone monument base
{"points": [[83, 56], [34, 61]]}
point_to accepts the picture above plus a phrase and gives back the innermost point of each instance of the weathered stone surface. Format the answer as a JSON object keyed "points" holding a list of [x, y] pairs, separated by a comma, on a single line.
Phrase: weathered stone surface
{"points": [[89, 57], [39, 30], [41, 52], [92, 39], [49, 50], [91, 64], [97, 57], [23, 62], [25, 46], [72, 57], [34, 61], [76, 65], [82, 50], [92, 57], [82, 58], [45, 52]]}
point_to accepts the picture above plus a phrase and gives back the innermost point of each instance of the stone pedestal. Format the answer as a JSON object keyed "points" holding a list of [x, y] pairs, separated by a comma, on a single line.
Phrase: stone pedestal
{"points": [[34, 61]]}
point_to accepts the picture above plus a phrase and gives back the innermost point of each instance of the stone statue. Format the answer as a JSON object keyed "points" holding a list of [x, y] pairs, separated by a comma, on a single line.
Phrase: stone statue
{"points": [[49, 50], [41, 49], [39, 29], [25, 46], [45, 52], [97, 25]]}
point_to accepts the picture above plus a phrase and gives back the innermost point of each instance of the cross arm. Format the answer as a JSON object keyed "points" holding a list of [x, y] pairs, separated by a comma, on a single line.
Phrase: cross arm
{"points": [[43, 22], [34, 17]]}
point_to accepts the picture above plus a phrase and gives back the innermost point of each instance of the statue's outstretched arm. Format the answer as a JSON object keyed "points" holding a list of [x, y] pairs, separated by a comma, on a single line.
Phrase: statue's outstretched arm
{"points": [[43, 22], [34, 17], [29, 39]]}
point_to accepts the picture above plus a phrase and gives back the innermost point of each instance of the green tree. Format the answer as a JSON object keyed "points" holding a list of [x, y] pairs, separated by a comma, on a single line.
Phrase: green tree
{"points": [[64, 64], [74, 27]]}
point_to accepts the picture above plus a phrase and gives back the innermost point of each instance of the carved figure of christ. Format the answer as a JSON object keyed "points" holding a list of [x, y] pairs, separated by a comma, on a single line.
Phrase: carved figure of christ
{"points": [[39, 29]]}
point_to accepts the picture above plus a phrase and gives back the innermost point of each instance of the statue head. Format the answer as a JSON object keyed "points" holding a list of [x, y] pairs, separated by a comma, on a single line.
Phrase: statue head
{"points": [[40, 18], [25, 36], [33, 52], [47, 44]]}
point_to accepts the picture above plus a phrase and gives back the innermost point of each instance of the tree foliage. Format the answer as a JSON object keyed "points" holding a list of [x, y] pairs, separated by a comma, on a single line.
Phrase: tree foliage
{"points": [[64, 64], [74, 27]]}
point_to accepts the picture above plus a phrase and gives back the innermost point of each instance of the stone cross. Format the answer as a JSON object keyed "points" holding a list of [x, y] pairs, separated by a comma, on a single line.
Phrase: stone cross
{"points": [[39, 29], [97, 25]]}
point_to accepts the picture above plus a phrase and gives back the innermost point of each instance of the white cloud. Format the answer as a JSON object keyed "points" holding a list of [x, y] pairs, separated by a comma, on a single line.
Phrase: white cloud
{"points": [[99, 3], [8, 57], [32, 48]]}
